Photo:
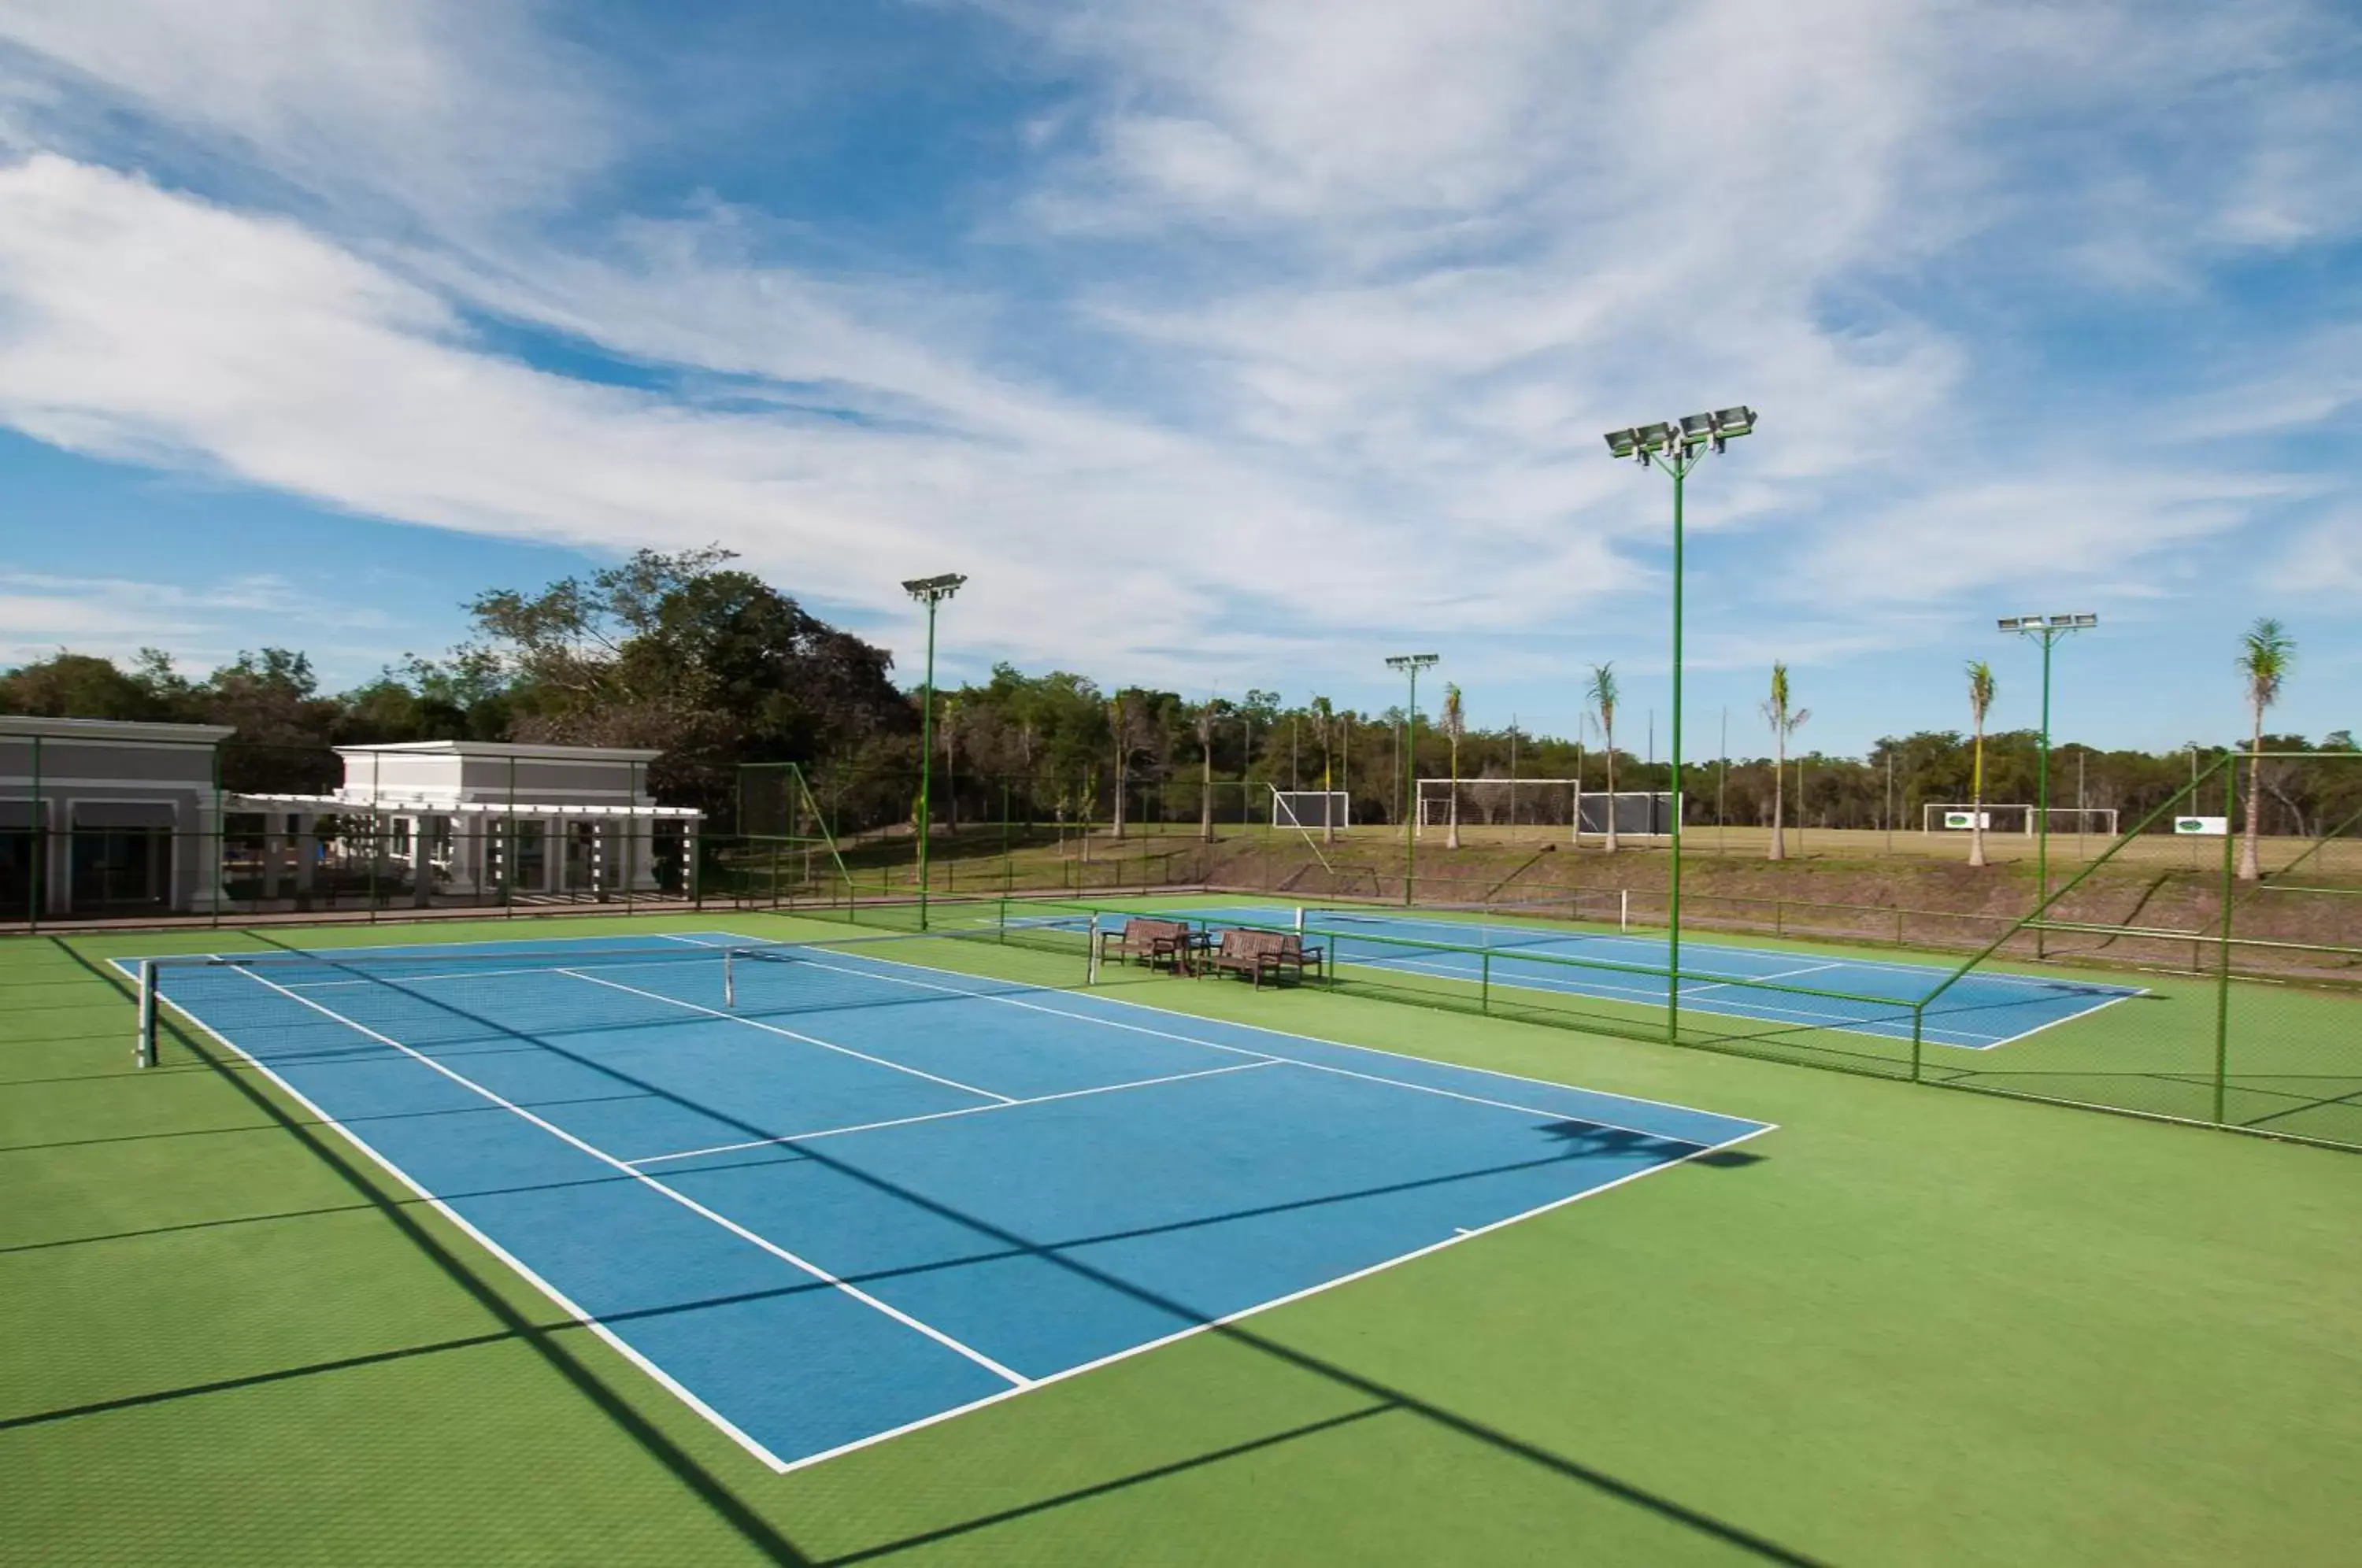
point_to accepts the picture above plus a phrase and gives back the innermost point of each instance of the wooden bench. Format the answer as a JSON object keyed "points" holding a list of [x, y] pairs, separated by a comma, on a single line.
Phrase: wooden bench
{"points": [[1259, 953], [1152, 942]]}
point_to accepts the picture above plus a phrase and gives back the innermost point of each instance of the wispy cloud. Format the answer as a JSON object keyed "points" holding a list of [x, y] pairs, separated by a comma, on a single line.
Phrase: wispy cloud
{"points": [[1284, 325]]}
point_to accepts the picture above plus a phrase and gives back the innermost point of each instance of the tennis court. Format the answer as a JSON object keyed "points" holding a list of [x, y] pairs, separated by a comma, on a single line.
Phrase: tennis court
{"points": [[1983, 1011], [827, 1195]]}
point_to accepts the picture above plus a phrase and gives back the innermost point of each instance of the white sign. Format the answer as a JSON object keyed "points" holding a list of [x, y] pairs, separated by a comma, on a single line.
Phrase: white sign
{"points": [[1966, 820], [2205, 827]]}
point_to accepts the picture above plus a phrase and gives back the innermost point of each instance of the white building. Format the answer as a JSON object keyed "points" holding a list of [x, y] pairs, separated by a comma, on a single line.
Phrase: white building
{"points": [[104, 818], [489, 820]]}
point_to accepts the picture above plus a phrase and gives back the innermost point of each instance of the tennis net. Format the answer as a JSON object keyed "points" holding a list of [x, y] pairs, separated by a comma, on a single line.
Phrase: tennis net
{"points": [[447, 998]]}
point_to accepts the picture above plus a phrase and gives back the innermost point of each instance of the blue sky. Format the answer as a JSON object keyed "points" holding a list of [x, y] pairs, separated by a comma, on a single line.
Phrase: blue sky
{"points": [[1239, 343]]}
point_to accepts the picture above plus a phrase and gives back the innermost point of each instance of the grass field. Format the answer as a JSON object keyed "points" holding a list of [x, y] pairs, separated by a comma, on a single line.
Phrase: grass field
{"points": [[1906, 1326]]}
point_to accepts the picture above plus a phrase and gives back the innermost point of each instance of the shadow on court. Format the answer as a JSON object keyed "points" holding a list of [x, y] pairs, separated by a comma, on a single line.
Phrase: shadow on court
{"points": [[550, 1343]]}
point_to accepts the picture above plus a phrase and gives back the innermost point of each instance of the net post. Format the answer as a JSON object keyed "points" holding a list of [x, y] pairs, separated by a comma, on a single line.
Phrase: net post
{"points": [[1918, 1033], [1093, 944], [1484, 984], [730, 978], [144, 1053], [1299, 921], [1623, 911]]}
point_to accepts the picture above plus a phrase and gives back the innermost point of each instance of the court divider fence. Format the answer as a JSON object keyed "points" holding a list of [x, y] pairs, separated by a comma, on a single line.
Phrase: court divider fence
{"points": [[2235, 1004]]}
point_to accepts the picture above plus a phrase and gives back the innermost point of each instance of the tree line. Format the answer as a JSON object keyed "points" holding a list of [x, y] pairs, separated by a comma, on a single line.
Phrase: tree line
{"points": [[705, 663]]}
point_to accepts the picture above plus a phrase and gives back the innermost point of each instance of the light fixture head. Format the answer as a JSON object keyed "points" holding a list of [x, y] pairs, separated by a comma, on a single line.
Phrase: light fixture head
{"points": [[2075, 621], [1414, 661], [1698, 429], [1656, 437], [933, 590], [1623, 442], [1730, 422]]}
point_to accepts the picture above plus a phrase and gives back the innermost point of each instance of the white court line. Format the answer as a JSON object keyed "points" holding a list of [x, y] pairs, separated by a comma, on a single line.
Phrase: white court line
{"points": [[1104, 1000], [1836, 1022], [1697, 1152], [1776, 975], [963, 1110], [2053, 1023], [1658, 944], [791, 1034], [692, 1205], [564, 1302], [1294, 1061]]}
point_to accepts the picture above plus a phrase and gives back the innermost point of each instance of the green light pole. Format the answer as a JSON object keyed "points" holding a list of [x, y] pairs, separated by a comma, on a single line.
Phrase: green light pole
{"points": [[929, 591], [2046, 630], [1413, 663], [1677, 448]]}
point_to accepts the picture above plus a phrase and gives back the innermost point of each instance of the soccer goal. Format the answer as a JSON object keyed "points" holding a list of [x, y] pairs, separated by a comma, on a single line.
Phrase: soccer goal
{"points": [[1544, 802], [1311, 809], [2017, 818]]}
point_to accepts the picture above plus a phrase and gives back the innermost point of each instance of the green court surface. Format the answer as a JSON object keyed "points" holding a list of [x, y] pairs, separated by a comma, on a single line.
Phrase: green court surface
{"points": [[1906, 1326]]}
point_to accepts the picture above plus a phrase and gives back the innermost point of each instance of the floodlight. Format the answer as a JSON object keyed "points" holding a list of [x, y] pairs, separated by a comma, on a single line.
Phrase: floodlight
{"points": [[1622, 443], [1654, 438], [1728, 422], [931, 589], [1411, 661], [1696, 429]]}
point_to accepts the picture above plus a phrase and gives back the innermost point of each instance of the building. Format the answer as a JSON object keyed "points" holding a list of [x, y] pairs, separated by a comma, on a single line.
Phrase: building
{"points": [[100, 818], [489, 821]]}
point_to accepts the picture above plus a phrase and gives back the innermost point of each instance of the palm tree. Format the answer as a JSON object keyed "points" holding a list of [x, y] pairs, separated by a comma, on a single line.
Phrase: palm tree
{"points": [[1208, 711], [1324, 727], [1455, 724], [1117, 722], [2266, 651], [951, 723], [1602, 695], [1785, 721], [1981, 700]]}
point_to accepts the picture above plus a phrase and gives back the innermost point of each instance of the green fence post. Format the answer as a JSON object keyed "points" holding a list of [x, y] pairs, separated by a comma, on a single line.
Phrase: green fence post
{"points": [[2222, 953], [1918, 1033], [36, 825]]}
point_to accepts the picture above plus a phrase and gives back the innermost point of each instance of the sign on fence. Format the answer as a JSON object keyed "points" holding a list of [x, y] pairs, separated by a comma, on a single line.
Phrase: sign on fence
{"points": [[1966, 820], [2207, 827]]}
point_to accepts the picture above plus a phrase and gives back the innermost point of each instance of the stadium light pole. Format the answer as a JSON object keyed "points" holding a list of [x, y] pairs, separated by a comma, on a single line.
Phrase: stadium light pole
{"points": [[2046, 630], [1677, 447], [929, 591], [1413, 663]]}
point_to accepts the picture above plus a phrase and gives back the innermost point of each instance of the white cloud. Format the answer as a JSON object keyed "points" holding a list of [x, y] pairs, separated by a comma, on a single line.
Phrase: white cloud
{"points": [[203, 623], [448, 109], [1334, 300]]}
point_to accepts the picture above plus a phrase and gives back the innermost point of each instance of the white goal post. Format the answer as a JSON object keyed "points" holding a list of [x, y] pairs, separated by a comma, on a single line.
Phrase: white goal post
{"points": [[1960, 816], [1545, 802], [1311, 809]]}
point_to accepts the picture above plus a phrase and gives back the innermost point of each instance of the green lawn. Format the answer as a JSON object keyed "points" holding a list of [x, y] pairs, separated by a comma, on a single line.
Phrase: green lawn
{"points": [[1909, 1326]]}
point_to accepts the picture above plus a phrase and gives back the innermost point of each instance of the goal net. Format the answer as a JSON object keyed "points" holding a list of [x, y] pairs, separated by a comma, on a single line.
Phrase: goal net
{"points": [[1311, 809], [2017, 818], [1544, 802]]}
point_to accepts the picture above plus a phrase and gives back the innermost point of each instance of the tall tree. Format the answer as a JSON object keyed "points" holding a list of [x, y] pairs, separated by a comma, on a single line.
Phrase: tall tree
{"points": [[1981, 689], [1784, 720], [1324, 731], [1455, 728], [1208, 713], [1120, 723], [2265, 652], [1602, 693]]}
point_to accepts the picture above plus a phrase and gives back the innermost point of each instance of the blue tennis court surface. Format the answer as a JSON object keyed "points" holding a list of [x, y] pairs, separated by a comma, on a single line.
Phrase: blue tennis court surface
{"points": [[1982, 1010], [839, 1196]]}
